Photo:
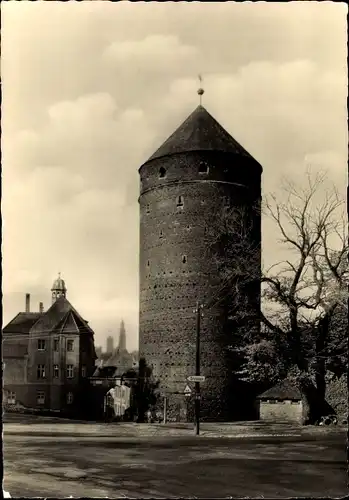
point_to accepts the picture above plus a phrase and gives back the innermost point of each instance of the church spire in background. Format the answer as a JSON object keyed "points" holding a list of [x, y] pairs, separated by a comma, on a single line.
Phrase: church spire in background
{"points": [[122, 336]]}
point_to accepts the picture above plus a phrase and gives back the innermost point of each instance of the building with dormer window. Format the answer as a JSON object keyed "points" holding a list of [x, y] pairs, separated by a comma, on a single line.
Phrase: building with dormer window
{"points": [[48, 356]]}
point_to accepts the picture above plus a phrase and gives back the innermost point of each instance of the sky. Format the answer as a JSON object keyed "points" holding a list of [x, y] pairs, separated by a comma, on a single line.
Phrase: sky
{"points": [[92, 89]]}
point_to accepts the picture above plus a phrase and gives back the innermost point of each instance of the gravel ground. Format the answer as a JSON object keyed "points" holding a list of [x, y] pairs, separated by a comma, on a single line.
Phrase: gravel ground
{"points": [[86, 460]]}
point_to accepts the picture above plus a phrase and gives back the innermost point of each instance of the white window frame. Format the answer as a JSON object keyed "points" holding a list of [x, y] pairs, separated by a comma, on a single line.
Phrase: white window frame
{"points": [[70, 398], [40, 397], [11, 398], [43, 341], [70, 371], [41, 368], [55, 369]]}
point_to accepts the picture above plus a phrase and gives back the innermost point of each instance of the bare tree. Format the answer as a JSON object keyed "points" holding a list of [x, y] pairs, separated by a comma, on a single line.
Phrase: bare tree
{"points": [[301, 296]]}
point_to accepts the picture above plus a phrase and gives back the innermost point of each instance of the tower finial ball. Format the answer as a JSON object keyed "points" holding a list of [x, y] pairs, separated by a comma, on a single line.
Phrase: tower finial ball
{"points": [[201, 91]]}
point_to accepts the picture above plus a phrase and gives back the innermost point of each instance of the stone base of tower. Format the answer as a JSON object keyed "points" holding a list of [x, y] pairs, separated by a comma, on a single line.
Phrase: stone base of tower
{"points": [[180, 408], [235, 406]]}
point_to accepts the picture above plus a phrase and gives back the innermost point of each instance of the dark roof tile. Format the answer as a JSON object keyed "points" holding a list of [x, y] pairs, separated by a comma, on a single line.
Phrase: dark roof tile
{"points": [[286, 389], [105, 372], [61, 317], [200, 132], [22, 323]]}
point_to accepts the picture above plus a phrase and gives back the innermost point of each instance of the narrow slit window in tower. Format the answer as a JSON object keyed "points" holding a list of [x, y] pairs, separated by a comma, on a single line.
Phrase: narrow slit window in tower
{"points": [[162, 172], [148, 263], [184, 259], [180, 202], [148, 209], [161, 234], [203, 168]]}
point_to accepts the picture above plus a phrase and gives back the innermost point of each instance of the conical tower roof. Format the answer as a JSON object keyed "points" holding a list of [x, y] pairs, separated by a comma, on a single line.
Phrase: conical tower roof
{"points": [[200, 132]]}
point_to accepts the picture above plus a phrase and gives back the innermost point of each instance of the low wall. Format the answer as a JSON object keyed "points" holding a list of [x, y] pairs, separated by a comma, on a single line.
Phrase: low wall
{"points": [[281, 411]]}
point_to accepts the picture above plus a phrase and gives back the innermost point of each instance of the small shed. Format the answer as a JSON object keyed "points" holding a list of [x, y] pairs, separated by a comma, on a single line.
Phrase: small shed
{"points": [[282, 403]]}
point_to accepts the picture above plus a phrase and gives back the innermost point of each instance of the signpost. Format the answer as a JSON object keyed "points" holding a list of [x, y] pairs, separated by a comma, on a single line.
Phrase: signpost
{"points": [[196, 378], [165, 409], [187, 391]]}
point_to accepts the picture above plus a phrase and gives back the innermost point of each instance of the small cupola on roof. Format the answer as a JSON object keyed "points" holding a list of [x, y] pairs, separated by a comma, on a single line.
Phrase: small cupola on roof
{"points": [[200, 132], [58, 288]]}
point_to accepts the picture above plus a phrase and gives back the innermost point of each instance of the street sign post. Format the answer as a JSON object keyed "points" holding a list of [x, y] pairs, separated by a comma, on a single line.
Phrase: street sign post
{"points": [[187, 391], [196, 378]]}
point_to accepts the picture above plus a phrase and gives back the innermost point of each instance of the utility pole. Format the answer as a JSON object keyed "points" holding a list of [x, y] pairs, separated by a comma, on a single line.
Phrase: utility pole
{"points": [[197, 371], [165, 409]]}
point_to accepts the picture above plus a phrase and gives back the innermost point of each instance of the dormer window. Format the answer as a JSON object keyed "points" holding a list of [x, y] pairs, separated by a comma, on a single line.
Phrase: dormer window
{"points": [[162, 172], [180, 202], [203, 168]]}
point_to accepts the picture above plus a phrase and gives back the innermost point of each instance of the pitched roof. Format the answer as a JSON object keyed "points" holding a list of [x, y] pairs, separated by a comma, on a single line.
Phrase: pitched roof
{"points": [[67, 324], [200, 132], [22, 323], [105, 372], [122, 359], [286, 389], [61, 317]]}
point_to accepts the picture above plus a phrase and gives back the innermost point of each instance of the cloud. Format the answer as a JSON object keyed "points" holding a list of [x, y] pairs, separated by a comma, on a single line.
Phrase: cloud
{"points": [[160, 53], [96, 107], [85, 136], [85, 105]]}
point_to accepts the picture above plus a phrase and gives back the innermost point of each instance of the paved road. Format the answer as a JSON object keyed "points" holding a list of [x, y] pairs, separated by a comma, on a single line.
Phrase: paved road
{"points": [[64, 464]]}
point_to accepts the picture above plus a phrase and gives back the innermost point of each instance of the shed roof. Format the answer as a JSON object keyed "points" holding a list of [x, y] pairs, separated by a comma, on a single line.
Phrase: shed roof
{"points": [[286, 389], [200, 132]]}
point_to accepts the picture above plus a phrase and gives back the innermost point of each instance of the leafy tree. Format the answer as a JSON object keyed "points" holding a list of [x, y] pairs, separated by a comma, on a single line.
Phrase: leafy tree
{"points": [[145, 391], [304, 332]]}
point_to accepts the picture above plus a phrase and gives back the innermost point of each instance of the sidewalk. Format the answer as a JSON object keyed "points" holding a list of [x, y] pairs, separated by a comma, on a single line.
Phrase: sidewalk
{"points": [[228, 430]]}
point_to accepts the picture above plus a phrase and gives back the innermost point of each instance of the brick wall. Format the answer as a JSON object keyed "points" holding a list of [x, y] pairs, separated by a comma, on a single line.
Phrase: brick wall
{"points": [[281, 411], [177, 269]]}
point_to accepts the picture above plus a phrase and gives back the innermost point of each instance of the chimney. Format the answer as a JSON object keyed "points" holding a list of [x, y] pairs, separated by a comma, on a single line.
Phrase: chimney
{"points": [[41, 307], [27, 302]]}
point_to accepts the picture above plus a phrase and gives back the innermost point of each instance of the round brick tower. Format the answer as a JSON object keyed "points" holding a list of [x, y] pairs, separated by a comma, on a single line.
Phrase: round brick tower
{"points": [[196, 172]]}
